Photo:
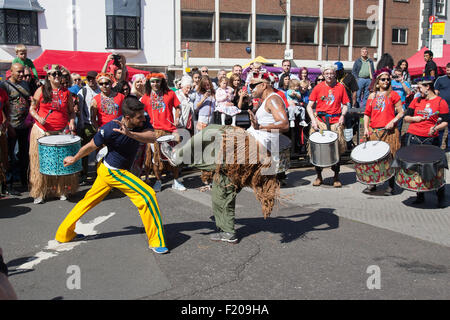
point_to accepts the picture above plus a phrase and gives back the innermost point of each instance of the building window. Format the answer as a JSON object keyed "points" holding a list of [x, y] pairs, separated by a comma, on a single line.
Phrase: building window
{"points": [[441, 8], [123, 32], [18, 26], [270, 28], [234, 27], [303, 30], [197, 26], [335, 32], [399, 36], [363, 35]]}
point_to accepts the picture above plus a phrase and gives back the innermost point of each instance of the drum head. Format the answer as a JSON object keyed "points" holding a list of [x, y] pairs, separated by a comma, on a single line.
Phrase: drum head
{"points": [[326, 137], [166, 138], [59, 139], [370, 151], [101, 154]]}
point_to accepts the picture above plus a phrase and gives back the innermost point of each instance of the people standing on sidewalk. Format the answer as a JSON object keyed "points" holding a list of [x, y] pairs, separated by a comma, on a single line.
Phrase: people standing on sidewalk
{"points": [[403, 88], [362, 70], [53, 112], [19, 124], [430, 69], [442, 89], [383, 112], [160, 103], [403, 65], [424, 128], [107, 105], [331, 102], [85, 129]]}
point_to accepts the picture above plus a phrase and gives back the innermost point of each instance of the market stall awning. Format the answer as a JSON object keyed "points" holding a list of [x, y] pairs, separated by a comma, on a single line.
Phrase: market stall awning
{"points": [[77, 61], [28, 5], [416, 64]]}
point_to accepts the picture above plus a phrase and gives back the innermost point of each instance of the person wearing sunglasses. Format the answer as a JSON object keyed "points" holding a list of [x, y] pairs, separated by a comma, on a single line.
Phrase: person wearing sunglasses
{"points": [[107, 105], [53, 111], [384, 109], [331, 101], [163, 108]]}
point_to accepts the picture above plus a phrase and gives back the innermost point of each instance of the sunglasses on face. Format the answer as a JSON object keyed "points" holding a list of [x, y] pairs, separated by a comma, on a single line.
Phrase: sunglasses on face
{"points": [[76, 79], [253, 85], [104, 84], [384, 79], [204, 71], [320, 79], [56, 73]]}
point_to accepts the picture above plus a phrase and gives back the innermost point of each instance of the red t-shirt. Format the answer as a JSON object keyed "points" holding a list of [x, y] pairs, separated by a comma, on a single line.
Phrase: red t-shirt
{"points": [[108, 108], [426, 108], [59, 117], [329, 99], [381, 110], [3, 99], [283, 96], [160, 110]]}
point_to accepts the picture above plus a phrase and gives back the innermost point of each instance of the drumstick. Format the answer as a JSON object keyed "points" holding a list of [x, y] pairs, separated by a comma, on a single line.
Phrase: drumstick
{"points": [[48, 114], [437, 122]]}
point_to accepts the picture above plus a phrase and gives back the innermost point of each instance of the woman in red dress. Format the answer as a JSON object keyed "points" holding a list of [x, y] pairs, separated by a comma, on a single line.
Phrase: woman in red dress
{"points": [[53, 111], [422, 115], [383, 111]]}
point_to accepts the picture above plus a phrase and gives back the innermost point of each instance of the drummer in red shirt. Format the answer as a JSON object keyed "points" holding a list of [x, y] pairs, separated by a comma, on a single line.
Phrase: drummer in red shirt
{"points": [[159, 103], [422, 116], [107, 105], [331, 101], [53, 111], [383, 111]]}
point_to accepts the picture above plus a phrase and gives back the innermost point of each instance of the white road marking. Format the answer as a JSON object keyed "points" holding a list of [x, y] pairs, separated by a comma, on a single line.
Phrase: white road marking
{"points": [[56, 247]]}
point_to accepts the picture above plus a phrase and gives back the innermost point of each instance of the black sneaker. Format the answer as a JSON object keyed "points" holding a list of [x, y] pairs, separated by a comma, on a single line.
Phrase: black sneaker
{"points": [[13, 192], [370, 189], [224, 236]]}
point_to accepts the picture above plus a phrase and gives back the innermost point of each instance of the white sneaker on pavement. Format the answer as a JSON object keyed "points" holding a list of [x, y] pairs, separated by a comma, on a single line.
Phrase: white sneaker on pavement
{"points": [[177, 185]]}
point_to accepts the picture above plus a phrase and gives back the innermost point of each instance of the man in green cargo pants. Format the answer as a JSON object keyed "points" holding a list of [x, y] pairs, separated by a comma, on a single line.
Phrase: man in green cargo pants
{"points": [[270, 120]]}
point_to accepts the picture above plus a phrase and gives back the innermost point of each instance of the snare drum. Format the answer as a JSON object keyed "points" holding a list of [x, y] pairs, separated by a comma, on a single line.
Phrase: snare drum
{"points": [[324, 148], [421, 168], [52, 151], [372, 162]]}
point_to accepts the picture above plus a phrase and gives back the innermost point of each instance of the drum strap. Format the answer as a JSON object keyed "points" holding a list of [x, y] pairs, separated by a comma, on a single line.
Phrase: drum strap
{"points": [[327, 116]]}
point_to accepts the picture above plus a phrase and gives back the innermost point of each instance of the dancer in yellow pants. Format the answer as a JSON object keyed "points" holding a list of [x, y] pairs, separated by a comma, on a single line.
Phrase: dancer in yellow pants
{"points": [[122, 137]]}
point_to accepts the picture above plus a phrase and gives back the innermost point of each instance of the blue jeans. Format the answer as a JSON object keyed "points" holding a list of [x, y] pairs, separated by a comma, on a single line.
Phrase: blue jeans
{"points": [[363, 92]]}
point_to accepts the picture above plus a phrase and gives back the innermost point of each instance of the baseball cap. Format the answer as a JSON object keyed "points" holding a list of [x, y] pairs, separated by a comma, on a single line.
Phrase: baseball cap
{"points": [[339, 65]]}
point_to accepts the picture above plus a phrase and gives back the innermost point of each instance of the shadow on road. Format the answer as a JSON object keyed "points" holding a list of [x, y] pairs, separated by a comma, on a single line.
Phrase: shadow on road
{"points": [[11, 207]]}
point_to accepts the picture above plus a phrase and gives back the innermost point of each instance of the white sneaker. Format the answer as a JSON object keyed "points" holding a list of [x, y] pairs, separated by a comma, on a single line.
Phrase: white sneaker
{"points": [[38, 200], [63, 198], [303, 123], [177, 185], [157, 186]]}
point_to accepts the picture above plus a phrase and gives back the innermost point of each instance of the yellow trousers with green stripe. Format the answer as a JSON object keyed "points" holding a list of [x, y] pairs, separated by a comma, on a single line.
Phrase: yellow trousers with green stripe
{"points": [[142, 196]]}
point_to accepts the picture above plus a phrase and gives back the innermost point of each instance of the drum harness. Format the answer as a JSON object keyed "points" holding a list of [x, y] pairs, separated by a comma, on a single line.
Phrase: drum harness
{"points": [[326, 117]]}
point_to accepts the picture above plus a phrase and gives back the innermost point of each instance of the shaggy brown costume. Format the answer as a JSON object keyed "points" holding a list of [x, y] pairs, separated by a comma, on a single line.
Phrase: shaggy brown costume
{"points": [[391, 137], [257, 175]]}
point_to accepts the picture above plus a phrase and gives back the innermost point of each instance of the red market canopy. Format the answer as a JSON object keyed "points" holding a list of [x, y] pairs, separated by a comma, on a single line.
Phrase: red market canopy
{"points": [[77, 61], [416, 64]]}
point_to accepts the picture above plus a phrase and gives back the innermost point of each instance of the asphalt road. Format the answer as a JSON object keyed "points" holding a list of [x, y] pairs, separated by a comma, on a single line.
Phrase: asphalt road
{"points": [[319, 243]]}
